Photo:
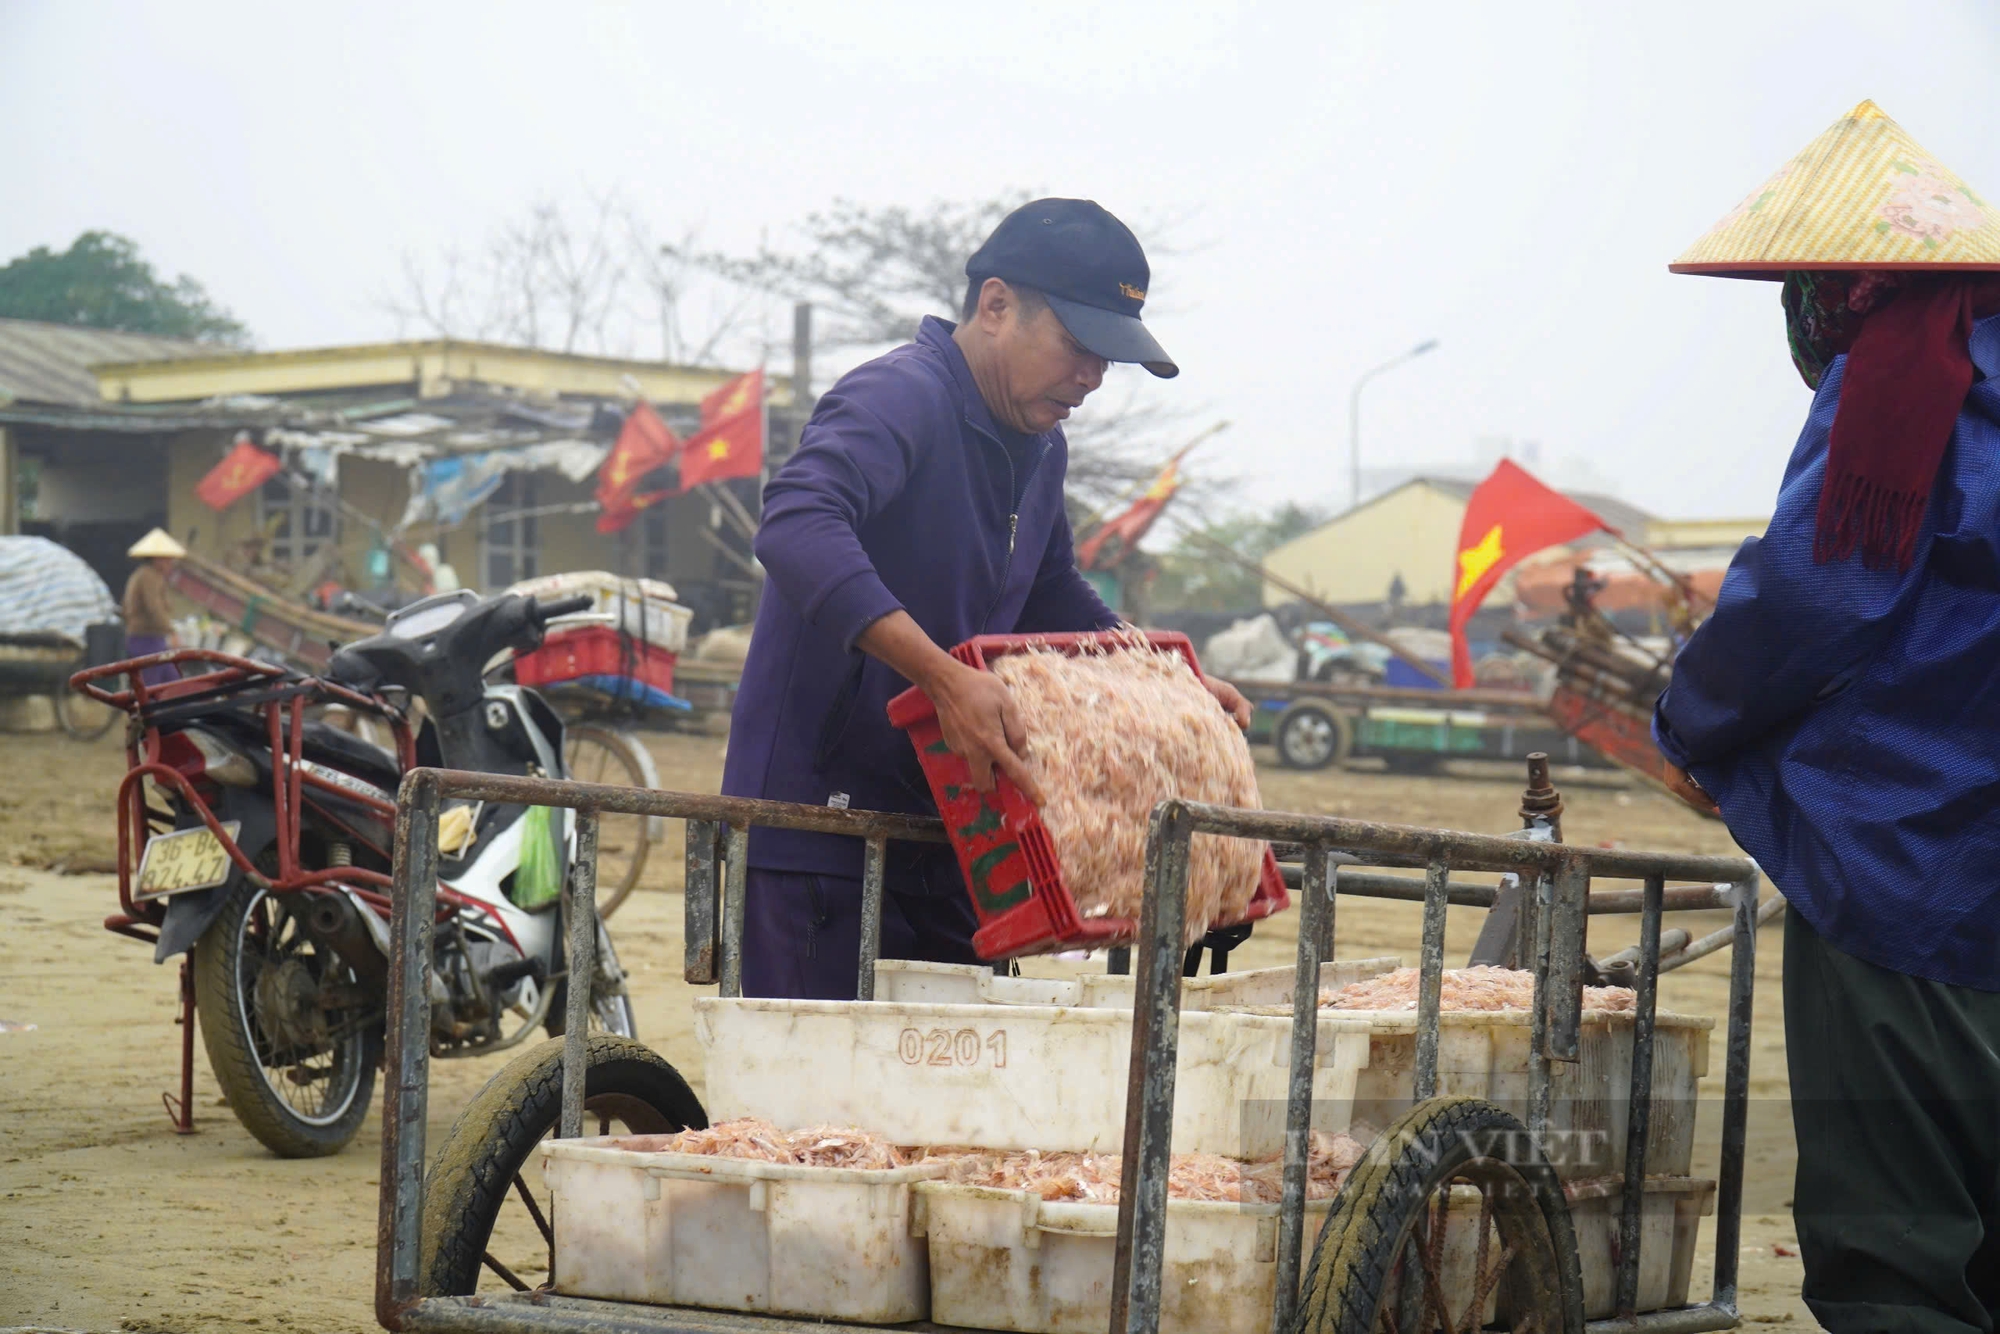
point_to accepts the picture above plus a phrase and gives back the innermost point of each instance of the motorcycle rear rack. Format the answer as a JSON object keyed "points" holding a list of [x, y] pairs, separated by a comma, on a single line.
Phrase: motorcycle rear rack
{"points": [[243, 684]]}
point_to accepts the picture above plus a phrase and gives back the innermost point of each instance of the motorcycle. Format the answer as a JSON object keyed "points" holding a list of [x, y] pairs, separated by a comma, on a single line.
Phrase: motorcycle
{"points": [[258, 841]]}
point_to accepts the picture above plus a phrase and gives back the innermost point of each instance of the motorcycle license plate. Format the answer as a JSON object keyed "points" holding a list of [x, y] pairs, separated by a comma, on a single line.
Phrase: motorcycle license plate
{"points": [[178, 862]]}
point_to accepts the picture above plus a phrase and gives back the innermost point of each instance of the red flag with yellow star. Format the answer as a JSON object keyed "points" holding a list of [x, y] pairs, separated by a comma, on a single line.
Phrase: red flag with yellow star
{"points": [[731, 440], [644, 443], [1509, 516], [242, 470], [1131, 525]]}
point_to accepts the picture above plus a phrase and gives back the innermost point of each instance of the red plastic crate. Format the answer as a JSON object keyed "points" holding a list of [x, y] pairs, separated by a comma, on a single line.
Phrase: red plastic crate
{"points": [[595, 650], [1011, 872]]}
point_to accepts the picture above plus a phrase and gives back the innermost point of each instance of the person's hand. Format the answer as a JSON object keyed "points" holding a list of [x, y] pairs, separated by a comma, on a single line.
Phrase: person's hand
{"points": [[1231, 699], [982, 727], [1682, 784]]}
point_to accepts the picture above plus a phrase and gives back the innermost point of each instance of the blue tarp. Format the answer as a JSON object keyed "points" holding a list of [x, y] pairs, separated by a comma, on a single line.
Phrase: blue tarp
{"points": [[635, 690]]}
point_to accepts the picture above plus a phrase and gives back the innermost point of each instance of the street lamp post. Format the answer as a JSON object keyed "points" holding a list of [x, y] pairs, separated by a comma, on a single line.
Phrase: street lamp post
{"points": [[1354, 412]]}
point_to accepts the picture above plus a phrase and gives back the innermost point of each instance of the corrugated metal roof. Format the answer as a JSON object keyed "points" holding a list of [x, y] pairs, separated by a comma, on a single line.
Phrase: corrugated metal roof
{"points": [[50, 363]]}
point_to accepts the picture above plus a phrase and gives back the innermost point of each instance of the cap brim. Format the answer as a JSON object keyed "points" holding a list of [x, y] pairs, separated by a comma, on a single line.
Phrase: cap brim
{"points": [[1113, 336]]}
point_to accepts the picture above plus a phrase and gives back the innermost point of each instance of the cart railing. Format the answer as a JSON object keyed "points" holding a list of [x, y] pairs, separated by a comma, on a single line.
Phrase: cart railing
{"points": [[1553, 934], [717, 864], [718, 833]]}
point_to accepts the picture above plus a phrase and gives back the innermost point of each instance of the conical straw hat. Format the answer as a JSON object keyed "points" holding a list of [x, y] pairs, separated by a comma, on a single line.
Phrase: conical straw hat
{"points": [[156, 543], [1864, 195]]}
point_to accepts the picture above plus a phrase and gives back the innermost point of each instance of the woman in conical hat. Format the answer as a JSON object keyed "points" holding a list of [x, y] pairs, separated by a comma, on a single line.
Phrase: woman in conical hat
{"points": [[149, 625], [1841, 709]]}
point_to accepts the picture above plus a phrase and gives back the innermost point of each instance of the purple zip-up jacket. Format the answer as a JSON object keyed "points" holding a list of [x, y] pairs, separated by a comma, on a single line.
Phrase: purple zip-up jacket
{"points": [[900, 496]]}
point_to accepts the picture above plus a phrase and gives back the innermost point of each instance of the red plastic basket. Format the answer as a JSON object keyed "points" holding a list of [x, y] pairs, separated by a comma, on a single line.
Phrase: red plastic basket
{"points": [[1016, 883], [595, 650]]}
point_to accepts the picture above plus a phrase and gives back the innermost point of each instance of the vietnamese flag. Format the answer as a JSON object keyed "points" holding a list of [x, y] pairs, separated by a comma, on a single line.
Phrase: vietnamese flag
{"points": [[242, 470], [1133, 524], [644, 443], [731, 440], [1509, 516]]}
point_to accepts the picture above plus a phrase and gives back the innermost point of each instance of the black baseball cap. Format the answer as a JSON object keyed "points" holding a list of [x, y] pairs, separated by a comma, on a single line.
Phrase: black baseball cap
{"points": [[1090, 267]]}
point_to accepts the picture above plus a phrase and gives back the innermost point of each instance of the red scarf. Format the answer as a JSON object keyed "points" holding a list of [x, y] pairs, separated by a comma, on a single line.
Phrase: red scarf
{"points": [[1908, 372]]}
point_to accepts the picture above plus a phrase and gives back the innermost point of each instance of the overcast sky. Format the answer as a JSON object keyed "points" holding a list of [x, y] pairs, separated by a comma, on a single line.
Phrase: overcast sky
{"points": [[1508, 178]]}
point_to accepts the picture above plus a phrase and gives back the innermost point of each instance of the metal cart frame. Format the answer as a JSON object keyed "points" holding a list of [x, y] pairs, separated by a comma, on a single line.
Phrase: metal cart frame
{"points": [[718, 831]]}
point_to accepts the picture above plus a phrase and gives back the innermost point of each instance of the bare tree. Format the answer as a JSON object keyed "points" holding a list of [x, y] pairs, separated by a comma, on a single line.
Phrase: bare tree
{"points": [[871, 273], [673, 283], [586, 277]]}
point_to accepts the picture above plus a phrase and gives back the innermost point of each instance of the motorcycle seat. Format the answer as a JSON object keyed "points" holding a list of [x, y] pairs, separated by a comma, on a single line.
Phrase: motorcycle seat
{"points": [[343, 750]]}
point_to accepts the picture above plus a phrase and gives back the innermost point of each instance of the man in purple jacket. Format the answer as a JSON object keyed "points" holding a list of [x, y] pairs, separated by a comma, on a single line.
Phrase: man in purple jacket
{"points": [[924, 506]]}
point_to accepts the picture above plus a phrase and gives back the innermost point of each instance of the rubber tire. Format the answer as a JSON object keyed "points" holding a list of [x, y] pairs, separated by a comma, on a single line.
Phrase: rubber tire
{"points": [[557, 1022], [86, 726], [474, 1169], [637, 767], [1343, 736], [234, 1061], [1401, 1170]]}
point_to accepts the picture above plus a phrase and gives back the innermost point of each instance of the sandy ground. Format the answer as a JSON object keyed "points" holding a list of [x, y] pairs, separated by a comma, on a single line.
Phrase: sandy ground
{"points": [[108, 1220]]}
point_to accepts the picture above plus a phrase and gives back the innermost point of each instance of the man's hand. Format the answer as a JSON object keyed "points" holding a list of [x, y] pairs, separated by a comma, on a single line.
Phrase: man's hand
{"points": [[980, 723], [1231, 699], [982, 727], [1683, 786]]}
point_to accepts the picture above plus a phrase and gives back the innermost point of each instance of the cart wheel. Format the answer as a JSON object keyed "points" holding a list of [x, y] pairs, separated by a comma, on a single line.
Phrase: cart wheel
{"points": [[1312, 736], [471, 1231], [84, 718], [600, 755], [1453, 1221]]}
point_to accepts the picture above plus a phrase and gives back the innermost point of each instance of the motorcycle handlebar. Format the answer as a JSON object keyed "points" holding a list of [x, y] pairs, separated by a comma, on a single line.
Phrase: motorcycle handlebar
{"points": [[541, 612]]}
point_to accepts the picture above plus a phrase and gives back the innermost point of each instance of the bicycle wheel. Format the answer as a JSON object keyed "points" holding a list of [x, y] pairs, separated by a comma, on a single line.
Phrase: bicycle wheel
{"points": [[593, 754], [83, 718]]}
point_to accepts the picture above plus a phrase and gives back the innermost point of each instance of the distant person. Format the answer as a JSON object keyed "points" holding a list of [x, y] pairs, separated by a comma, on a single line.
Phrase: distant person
{"points": [[444, 579], [149, 614], [1841, 709], [924, 506]]}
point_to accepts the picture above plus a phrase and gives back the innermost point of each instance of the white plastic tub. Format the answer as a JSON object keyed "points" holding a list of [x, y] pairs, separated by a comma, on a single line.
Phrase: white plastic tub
{"points": [[693, 1230], [975, 984], [642, 608], [1011, 1076], [1485, 1055], [1480, 1053], [1006, 1259], [1669, 1230]]}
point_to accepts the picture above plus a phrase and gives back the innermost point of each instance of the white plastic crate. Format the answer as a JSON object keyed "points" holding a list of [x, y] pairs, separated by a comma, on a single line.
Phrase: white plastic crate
{"points": [[642, 608], [1007, 1259], [975, 984], [1484, 1054], [1011, 1076], [636, 1225], [1669, 1230], [1480, 1054]]}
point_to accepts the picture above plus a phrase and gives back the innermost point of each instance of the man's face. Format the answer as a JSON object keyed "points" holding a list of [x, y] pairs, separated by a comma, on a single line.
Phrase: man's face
{"points": [[1045, 373]]}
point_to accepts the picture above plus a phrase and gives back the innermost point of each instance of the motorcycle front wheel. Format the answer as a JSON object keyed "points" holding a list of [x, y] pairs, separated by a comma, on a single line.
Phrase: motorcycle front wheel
{"points": [[299, 1075], [610, 1000]]}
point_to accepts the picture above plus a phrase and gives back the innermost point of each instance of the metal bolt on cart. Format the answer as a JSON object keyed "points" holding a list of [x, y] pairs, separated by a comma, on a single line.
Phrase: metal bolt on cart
{"points": [[1459, 1217]]}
